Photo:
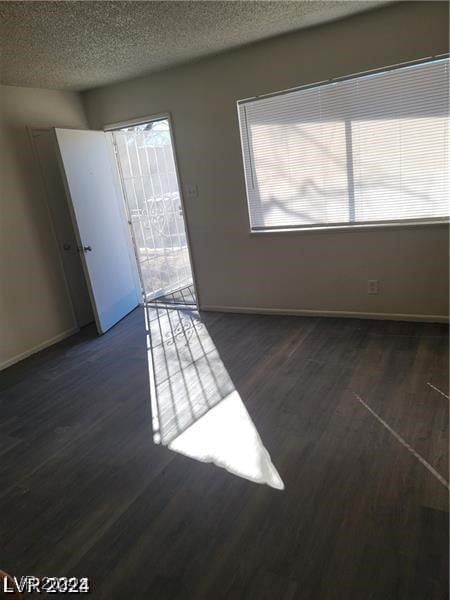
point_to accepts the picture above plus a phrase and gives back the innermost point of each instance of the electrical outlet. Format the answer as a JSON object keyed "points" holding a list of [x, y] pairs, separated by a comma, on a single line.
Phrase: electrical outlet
{"points": [[372, 286]]}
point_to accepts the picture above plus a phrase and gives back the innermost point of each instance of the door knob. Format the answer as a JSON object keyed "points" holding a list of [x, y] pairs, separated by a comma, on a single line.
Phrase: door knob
{"points": [[84, 249]]}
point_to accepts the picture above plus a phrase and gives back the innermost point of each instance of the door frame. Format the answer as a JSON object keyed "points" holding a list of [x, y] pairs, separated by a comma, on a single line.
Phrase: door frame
{"points": [[149, 119], [36, 130]]}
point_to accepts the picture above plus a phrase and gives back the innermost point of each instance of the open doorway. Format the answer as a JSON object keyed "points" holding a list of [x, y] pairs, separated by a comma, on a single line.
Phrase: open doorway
{"points": [[109, 178], [146, 161]]}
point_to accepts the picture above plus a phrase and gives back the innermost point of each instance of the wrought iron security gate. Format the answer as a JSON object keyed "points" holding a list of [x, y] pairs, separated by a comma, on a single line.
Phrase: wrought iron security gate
{"points": [[147, 164]]}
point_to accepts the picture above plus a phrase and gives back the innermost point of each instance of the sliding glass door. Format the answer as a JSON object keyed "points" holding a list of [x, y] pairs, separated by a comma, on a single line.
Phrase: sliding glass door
{"points": [[147, 164]]}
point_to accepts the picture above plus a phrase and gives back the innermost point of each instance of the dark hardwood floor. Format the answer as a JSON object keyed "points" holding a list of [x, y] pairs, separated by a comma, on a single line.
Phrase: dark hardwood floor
{"points": [[85, 490]]}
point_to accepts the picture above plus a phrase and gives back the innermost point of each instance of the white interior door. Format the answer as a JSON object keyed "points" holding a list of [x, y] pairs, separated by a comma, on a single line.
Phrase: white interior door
{"points": [[95, 199], [44, 144]]}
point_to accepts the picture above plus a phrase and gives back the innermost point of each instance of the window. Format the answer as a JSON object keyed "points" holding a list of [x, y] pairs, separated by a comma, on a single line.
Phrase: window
{"points": [[365, 150]]}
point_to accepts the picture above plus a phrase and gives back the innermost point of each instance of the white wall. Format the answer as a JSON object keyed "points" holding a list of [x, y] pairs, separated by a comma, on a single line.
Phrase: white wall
{"points": [[34, 305], [301, 271]]}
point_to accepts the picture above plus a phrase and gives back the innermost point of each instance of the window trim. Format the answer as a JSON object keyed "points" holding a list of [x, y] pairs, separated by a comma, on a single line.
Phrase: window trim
{"points": [[372, 226], [332, 80], [333, 227]]}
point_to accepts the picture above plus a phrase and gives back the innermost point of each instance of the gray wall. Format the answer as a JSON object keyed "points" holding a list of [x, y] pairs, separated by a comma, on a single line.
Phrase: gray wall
{"points": [[34, 303], [299, 271]]}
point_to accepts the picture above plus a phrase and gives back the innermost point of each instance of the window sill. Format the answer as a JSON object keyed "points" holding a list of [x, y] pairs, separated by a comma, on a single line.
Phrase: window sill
{"points": [[348, 228]]}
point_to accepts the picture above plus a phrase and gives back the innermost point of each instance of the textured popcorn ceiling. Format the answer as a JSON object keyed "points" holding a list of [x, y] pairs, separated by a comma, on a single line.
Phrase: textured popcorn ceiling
{"points": [[80, 45]]}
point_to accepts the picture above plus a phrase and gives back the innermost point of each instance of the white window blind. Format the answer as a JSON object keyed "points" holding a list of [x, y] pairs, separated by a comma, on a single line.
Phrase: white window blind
{"points": [[370, 149]]}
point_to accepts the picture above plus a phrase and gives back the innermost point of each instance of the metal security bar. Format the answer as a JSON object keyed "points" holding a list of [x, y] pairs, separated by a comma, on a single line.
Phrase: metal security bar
{"points": [[151, 189]]}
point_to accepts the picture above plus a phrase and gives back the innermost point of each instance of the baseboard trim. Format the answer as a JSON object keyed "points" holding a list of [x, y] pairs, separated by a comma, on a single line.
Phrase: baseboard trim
{"points": [[54, 340], [327, 313]]}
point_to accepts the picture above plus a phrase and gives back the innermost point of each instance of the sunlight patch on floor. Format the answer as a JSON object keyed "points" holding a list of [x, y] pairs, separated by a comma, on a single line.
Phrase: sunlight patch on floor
{"points": [[227, 437], [196, 410]]}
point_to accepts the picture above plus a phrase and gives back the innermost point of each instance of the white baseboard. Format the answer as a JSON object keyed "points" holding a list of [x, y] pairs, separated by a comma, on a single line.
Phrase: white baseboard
{"points": [[57, 338], [328, 313]]}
